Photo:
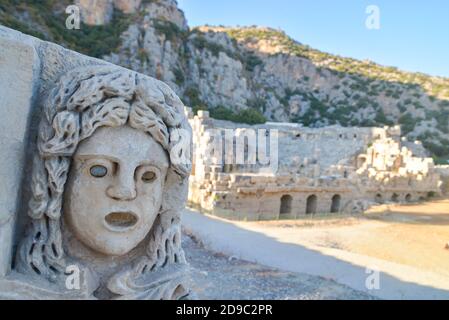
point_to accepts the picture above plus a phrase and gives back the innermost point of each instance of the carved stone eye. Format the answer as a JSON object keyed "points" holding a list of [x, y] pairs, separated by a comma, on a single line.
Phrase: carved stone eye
{"points": [[98, 171], [148, 177]]}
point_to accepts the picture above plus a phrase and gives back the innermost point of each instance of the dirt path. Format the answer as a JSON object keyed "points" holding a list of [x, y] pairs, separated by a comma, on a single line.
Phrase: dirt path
{"points": [[405, 243]]}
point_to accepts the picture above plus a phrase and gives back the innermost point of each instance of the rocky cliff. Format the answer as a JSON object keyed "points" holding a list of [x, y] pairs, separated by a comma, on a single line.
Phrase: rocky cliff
{"points": [[245, 74]]}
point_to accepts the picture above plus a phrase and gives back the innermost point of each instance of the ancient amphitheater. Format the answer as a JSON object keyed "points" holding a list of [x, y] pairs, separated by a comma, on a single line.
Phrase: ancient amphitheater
{"points": [[317, 170]]}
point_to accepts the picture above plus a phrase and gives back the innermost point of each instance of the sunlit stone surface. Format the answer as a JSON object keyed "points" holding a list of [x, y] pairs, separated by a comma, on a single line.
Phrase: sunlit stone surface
{"points": [[95, 163]]}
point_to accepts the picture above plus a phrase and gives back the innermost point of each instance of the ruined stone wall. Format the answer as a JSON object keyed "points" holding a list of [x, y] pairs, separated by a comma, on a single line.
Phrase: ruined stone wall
{"points": [[326, 170], [444, 174]]}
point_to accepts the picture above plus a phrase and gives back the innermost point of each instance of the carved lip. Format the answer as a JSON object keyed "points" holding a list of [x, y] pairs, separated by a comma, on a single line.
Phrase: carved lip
{"points": [[121, 221]]}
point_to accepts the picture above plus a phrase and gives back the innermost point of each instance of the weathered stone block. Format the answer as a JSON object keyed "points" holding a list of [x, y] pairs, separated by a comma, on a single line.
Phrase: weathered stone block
{"points": [[103, 184], [19, 70]]}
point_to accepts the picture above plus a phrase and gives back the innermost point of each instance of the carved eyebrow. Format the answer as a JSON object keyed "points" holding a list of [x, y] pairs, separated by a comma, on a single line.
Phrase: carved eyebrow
{"points": [[156, 164], [146, 162], [87, 156]]}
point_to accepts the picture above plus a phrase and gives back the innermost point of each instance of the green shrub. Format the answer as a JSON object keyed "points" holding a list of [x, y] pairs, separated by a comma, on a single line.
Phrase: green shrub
{"points": [[192, 95], [407, 123], [252, 61], [444, 103], [443, 121], [94, 41], [167, 28], [401, 107], [201, 43], [222, 113], [248, 116], [179, 76], [257, 104], [441, 160], [437, 149], [381, 118]]}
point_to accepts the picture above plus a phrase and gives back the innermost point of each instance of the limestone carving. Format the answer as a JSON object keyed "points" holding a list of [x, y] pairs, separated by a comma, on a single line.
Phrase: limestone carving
{"points": [[109, 182]]}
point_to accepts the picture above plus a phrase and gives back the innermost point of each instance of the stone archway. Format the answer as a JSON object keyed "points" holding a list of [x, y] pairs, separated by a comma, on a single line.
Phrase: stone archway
{"points": [[395, 197], [286, 204], [311, 204], [361, 160], [378, 198], [408, 197], [335, 206]]}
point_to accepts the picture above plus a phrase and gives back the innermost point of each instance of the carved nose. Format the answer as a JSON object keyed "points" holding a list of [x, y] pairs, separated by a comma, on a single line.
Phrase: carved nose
{"points": [[124, 188]]}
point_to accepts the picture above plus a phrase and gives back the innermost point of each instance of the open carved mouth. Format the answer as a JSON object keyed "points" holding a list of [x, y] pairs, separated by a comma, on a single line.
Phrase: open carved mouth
{"points": [[121, 221]]}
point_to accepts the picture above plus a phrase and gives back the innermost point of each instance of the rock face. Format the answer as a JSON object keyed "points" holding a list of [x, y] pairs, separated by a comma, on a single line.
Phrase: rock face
{"points": [[166, 10], [106, 165], [99, 12], [96, 12], [264, 70], [127, 6]]}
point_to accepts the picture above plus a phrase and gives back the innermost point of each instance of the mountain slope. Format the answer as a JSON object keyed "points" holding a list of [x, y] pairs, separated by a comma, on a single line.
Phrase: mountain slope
{"points": [[250, 74]]}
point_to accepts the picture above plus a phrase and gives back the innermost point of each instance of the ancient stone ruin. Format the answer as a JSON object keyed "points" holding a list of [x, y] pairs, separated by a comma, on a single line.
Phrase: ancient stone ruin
{"points": [[97, 166], [94, 178], [323, 170]]}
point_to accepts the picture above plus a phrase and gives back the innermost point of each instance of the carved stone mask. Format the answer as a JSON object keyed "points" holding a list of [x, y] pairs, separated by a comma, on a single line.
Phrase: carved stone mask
{"points": [[114, 190], [113, 161]]}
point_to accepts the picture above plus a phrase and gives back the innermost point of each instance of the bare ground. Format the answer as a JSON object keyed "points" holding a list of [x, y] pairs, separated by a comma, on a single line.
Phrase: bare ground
{"points": [[219, 277], [415, 234]]}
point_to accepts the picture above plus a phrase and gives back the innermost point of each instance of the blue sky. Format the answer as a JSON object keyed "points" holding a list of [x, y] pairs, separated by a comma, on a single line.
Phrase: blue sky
{"points": [[413, 34]]}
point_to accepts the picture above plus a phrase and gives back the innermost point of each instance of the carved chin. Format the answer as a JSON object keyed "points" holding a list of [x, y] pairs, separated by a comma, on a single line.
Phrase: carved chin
{"points": [[116, 250], [113, 245]]}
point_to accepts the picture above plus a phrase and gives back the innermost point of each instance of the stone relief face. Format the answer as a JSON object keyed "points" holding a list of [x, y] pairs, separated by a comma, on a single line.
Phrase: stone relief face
{"points": [[114, 189]]}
